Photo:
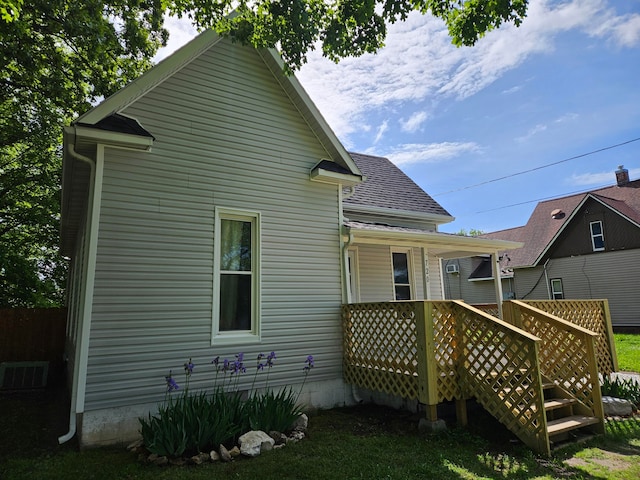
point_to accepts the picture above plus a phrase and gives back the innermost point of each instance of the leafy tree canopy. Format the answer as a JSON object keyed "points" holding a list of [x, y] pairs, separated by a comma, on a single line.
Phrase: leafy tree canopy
{"points": [[56, 58], [342, 27]]}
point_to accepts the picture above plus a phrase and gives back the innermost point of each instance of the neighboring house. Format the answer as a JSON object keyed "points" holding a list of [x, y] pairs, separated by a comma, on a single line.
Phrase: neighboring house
{"points": [[208, 210], [583, 246]]}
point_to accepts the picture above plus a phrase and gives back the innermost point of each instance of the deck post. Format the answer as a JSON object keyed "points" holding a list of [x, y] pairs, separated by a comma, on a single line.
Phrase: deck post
{"points": [[497, 281], [427, 371], [610, 341]]}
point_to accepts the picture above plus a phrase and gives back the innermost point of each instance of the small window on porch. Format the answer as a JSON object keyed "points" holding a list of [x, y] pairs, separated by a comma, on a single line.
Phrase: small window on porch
{"points": [[402, 285], [556, 289], [597, 236]]}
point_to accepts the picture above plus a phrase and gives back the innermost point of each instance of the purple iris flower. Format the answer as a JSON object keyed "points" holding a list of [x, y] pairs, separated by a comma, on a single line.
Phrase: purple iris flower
{"points": [[171, 383], [188, 367]]}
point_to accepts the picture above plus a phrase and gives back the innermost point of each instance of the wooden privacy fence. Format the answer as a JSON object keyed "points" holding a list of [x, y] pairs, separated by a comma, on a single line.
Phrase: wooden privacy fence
{"points": [[33, 335]]}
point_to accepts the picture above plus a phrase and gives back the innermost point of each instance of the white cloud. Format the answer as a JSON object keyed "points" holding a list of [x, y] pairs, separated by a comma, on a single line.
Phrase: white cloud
{"points": [[624, 32], [414, 122], [429, 153], [381, 130], [533, 131], [419, 61], [599, 178], [567, 117], [181, 31], [511, 90]]}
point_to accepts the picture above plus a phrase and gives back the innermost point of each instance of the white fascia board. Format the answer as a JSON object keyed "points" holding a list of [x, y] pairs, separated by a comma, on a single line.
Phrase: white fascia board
{"points": [[436, 239], [335, 178], [150, 79], [391, 212], [110, 138]]}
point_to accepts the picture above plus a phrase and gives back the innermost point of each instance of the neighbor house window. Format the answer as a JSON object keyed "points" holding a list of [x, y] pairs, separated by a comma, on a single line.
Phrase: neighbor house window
{"points": [[402, 285], [556, 289], [597, 236], [236, 276]]}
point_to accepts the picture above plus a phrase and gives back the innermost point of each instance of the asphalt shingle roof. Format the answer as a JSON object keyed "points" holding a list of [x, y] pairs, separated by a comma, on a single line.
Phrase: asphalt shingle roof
{"points": [[541, 228], [387, 186]]}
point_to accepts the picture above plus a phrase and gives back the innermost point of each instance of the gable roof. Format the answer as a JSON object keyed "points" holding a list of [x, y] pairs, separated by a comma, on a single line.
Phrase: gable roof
{"points": [[542, 229], [387, 189], [192, 50]]}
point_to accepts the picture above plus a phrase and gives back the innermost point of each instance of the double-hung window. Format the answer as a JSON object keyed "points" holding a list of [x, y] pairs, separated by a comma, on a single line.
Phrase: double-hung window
{"points": [[597, 236], [236, 276], [402, 285], [557, 292]]}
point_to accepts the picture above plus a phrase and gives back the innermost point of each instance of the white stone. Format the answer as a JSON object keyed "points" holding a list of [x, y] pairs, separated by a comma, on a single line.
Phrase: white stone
{"points": [[251, 442], [617, 407], [301, 423]]}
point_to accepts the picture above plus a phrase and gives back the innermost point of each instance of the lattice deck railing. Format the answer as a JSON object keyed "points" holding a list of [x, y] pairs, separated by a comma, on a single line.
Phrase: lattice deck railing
{"points": [[567, 354], [443, 350], [500, 368], [592, 315]]}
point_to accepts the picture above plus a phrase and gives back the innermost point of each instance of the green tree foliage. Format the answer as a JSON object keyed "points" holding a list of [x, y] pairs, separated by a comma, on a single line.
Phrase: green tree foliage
{"points": [[342, 27], [56, 58], [471, 233]]}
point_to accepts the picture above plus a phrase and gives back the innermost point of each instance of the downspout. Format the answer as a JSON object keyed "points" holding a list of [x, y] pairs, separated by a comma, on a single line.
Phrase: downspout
{"points": [[345, 267], [84, 317], [546, 278]]}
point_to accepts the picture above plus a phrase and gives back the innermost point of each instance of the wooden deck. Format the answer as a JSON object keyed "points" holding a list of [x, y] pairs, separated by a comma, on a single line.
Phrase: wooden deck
{"points": [[536, 373]]}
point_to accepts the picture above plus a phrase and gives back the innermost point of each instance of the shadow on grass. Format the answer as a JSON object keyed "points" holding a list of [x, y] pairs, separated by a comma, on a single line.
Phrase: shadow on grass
{"points": [[364, 441]]}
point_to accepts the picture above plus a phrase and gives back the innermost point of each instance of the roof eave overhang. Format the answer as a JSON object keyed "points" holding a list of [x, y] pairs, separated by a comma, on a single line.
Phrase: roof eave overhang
{"points": [[437, 219], [113, 139], [326, 176], [444, 246]]}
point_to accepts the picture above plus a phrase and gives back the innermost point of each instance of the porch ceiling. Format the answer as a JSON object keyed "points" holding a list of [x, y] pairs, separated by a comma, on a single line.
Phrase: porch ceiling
{"points": [[443, 245]]}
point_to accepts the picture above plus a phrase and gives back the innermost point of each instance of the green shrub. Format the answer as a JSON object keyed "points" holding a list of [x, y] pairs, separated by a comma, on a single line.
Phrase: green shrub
{"points": [[619, 388], [191, 423], [269, 411]]}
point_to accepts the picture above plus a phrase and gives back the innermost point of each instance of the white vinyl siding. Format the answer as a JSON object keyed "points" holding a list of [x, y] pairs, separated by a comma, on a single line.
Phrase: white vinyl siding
{"points": [[226, 135]]}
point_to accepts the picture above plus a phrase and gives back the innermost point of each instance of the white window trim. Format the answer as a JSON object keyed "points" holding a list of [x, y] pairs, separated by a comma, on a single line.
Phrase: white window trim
{"points": [[354, 274], [593, 236], [553, 291], [412, 282], [244, 336]]}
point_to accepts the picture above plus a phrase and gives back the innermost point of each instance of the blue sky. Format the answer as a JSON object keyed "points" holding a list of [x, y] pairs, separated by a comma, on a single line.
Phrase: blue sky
{"points": [[563, 84]]}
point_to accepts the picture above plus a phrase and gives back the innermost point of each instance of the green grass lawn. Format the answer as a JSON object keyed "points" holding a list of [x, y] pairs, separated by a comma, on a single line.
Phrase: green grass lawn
{"points": [[628, 351], [363, 442]]}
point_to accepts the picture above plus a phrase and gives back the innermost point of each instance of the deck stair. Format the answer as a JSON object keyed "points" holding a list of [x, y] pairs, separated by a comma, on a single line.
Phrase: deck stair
{"points": [[565, 419]]}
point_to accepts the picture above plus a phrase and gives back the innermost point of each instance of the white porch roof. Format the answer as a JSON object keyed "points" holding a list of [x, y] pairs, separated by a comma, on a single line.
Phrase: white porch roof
{"points": [[439, 244]]}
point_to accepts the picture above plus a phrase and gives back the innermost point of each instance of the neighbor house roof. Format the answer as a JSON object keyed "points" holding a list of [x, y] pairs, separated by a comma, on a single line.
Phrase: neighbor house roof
{"points": [[388, 188], [543, 229]]}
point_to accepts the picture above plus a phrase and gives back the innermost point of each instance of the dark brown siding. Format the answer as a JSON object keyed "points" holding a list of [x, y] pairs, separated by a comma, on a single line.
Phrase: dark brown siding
{"points": [[619, 233]]}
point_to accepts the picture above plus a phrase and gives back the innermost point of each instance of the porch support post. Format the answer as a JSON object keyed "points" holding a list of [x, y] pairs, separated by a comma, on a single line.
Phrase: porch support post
{"points": [[427, 371], [497, 281], [426, 277]]}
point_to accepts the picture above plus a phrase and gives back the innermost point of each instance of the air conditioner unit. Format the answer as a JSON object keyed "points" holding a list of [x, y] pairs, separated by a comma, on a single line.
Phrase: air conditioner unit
{"points": [[453, 268]]}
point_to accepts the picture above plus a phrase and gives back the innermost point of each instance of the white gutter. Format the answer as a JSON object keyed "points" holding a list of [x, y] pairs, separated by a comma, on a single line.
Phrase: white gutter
{"points": [[79, 382]]}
